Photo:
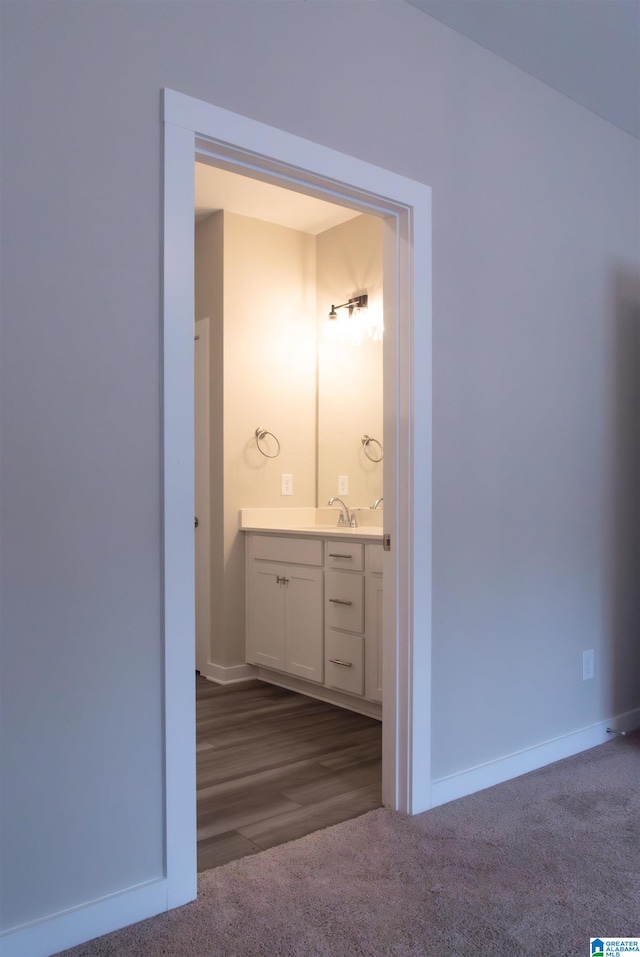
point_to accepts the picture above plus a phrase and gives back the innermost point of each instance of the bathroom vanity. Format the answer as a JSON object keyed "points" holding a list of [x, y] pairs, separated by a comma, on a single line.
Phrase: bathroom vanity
{"points": [[314, 608]]}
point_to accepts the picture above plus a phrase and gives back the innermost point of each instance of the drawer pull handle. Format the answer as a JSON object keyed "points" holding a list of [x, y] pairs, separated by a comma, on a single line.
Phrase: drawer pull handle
{"points": [[345, 664], [335, 555], [337, 601]]}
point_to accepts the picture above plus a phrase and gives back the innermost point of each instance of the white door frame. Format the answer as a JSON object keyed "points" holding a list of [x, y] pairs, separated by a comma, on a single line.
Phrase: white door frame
{"points": [[202, 491], [195, 129]]}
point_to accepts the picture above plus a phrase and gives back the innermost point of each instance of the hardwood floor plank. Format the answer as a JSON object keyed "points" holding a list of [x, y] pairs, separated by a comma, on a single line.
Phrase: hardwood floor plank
{"points": [[273, 779], [305, 820], [274, 765], [352, 755], [217, 816], [223, 848], [333, 785], [234, 763]]}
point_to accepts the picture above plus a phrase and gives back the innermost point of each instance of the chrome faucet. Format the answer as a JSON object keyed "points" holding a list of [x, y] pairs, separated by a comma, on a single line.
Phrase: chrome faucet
{"points": [[377, 503], [346, 517]]}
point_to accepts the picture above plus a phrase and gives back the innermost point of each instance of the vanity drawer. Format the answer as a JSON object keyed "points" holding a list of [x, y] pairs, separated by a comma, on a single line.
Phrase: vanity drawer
{"points": [[298, 551], [344, 662], [345, 601], [341, 554]]}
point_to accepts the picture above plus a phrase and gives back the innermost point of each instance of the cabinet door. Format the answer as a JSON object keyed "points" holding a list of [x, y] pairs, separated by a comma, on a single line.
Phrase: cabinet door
{"points": [[266, 614], [373, 638], [304, 622]]}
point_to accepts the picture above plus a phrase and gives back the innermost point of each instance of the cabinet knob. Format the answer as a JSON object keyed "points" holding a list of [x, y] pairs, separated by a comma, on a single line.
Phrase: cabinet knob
{"points": [[337, 601], [337, 661]]}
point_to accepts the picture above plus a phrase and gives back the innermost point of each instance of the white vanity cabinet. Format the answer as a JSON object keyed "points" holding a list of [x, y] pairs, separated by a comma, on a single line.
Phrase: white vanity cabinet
{"points": [[314, 611], [285, 620]]}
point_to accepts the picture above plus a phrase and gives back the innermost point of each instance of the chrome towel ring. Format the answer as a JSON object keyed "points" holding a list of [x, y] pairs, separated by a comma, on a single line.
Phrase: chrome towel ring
{"points": [[262, 434], [367, 441]]}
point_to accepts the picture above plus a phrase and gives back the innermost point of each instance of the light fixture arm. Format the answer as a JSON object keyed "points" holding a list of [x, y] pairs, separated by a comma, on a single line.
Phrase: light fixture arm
{"points": [[357, 302]]}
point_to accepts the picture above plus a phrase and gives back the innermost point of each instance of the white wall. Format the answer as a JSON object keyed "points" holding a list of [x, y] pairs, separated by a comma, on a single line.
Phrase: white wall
{"points": [[349, 263], [257, 282], [536, 245]]}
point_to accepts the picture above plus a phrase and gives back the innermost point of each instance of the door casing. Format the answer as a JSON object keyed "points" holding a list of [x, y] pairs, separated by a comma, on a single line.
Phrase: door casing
{"points": [[202, 484], [195, 130]]}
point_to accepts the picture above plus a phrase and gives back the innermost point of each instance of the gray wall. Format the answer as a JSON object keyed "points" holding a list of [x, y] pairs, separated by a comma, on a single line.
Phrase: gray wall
{"points": [[535, 410]]}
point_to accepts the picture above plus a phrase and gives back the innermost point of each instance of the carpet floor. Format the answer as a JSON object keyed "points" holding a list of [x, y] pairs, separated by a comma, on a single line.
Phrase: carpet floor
{"points": [[536, 865]]}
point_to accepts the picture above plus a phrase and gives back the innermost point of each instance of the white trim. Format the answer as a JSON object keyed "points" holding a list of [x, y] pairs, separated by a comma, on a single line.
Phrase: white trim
{"points": [[372, 709], [228, 675], [194, 128], [79, 924], [529, 759], [178, 531], [202, 490]]}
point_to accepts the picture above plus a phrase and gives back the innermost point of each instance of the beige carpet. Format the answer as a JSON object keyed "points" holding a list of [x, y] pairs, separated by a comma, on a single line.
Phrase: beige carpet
{"points": [[533, 866]]}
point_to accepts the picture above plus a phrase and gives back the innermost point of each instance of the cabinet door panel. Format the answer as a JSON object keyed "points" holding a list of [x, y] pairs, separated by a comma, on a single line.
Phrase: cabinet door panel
{"points": [[304, 622], [266, 617]]}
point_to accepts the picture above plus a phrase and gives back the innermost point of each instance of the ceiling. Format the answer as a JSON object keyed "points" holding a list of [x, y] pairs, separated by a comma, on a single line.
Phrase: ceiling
{"points": [[217, 189], [587, 49]]}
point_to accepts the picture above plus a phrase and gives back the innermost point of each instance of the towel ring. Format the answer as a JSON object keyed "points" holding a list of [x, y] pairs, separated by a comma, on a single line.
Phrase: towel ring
{"points": [[260, 435], [366, 442]]}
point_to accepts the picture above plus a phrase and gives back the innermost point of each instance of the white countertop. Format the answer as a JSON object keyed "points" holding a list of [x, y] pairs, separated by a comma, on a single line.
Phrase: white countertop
{"points": [[310, 522]]}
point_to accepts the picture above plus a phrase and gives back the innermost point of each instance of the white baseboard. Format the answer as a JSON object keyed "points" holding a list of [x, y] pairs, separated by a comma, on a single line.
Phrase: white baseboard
{"points": [[361, 706], [69, 928], [228, 676], [511, 766]]}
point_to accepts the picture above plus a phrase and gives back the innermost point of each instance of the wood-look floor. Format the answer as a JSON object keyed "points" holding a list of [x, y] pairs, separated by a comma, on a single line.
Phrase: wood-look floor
{"points": [[273, 765]]}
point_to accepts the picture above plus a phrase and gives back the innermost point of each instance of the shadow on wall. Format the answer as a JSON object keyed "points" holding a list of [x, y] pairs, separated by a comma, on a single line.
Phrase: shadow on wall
{"points": [[623, 474]]}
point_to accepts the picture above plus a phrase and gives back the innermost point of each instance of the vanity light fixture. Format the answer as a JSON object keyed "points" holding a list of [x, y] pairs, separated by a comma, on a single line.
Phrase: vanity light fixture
{"points": [[358, 302]]}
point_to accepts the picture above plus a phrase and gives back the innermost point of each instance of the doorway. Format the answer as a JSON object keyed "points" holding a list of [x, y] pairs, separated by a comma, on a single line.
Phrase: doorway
{"points": [[194, 129], [269, 263]]}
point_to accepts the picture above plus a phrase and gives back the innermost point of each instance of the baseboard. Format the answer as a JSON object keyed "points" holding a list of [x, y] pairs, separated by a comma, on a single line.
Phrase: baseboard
{"points": [[369, 708], [228, 676], [530, 759], [50, 935]]}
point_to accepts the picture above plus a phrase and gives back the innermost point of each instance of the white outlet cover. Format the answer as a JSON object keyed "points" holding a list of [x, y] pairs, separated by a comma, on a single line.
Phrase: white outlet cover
{"points": [[587, 665]]}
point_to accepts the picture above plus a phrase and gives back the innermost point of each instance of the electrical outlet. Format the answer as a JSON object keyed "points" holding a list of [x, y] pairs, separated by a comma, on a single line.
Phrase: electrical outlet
{"points": [[587, 665], [287, 484], [343, 485]]}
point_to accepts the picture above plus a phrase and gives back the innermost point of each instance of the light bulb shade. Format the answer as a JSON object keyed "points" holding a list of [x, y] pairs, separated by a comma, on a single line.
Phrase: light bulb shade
{"points": [[357, 324]]}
